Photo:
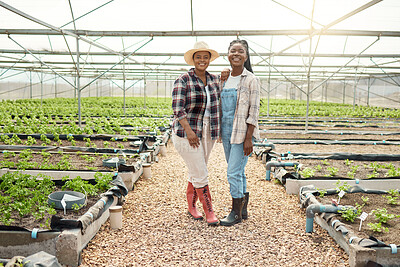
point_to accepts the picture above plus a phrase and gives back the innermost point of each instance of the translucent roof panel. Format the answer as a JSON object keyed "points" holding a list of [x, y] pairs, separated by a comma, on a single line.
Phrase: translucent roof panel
{"points": [[166, 29]]}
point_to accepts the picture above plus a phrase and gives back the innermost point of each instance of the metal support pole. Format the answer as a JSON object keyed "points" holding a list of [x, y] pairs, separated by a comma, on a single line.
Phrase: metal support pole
{"points": [[157, 86], [55, 86], [41, 86], [165, 85], [309, 70], [344, 91], [124, 88], [354, 90], [144, 90], [326, 92], [30, 84], [269, 79], [78, 86], [368, 89]]}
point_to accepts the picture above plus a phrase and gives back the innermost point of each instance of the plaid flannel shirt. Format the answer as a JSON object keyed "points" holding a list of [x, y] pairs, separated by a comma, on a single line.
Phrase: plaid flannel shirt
{"points": [[247, 107], [189, 101]]}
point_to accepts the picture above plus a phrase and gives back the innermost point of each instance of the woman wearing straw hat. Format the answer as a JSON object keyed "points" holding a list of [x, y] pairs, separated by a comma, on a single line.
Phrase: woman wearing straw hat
{"points": [[196, 125], [240, 104]]}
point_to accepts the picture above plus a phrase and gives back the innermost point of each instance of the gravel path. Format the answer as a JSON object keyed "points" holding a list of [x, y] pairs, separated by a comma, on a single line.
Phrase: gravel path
{"points": [[158, 232]]}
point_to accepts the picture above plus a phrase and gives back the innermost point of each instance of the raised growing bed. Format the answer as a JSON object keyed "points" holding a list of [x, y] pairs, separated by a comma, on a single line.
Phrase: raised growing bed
{"points": [[68, 234], [67, 244], [362, 244]]}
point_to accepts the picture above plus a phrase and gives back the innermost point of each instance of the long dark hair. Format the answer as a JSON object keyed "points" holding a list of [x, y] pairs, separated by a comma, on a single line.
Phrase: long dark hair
{"points": [[247, 63]]}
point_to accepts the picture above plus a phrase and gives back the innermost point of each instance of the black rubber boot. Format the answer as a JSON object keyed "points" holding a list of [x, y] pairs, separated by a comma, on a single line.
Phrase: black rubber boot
{"points": [[235, 216], [244, 210]]}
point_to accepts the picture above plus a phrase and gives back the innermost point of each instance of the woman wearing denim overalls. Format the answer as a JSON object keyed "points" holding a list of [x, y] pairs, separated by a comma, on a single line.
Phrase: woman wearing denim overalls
{"points": [[240, 104]]}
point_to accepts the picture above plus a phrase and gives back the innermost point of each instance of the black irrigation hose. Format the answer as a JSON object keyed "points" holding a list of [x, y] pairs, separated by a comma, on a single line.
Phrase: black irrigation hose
{"points": [[156, 116], [72, 149], [333, 125], [334, 132], [107, 137], [355, 121], [349, 156]]}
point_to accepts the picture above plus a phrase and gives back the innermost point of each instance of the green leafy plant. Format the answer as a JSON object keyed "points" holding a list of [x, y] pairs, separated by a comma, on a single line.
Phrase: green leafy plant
{"points": [[70, 138], [15, 139], [348, 162], [373, 174], [377, 227], [8, 154], [365, 199], [342, 187], [45, 154], [394, 192], [26, 154], [353, 171], [106, 144], [349, 213], [103, 181], [351, 174], [79, 185], [325, 162], [392, 171], [392, 197], [383, 216], [88, 158], [307, 172], [76, 207], [321, 192], [332, 171], [121, 146], [44, 139], [24, 194], [30, 141]]}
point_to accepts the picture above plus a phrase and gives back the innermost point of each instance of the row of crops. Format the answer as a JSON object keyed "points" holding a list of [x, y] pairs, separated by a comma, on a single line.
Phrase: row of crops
{"points": [[66, 109]]}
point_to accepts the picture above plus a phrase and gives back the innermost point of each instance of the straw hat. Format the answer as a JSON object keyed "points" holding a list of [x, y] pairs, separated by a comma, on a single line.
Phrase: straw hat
{"points": [[199, 46]]}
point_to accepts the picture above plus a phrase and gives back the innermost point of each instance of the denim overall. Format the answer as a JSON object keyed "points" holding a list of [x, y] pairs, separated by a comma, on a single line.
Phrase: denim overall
{"points": [[234, 153]]}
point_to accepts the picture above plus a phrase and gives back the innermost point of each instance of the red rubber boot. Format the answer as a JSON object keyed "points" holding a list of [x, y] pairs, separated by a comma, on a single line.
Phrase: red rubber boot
{"points": [[192, 197], [205, 199]]}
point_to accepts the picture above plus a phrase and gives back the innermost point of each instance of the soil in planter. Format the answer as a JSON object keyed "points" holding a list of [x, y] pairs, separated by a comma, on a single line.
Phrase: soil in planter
{"points": [[96, 143], [376, 201], [75, 161], [29, 222], [364, 169]]}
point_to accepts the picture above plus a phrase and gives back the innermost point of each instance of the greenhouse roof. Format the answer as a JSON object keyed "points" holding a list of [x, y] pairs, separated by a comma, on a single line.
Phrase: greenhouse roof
{"points": [[119, 38]]}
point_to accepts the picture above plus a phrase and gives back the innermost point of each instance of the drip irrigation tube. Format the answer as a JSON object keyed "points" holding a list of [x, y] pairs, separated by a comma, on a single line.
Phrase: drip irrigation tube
{"points": [[307, 198], [333, 142], [333, 132], [277, 164], [319, 208], [267, 144]]}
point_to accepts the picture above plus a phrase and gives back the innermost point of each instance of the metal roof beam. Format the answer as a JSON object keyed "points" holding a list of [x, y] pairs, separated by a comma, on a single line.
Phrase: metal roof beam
{"points": [[185, 65], [201, 33], [64, 53], [56, 29]]}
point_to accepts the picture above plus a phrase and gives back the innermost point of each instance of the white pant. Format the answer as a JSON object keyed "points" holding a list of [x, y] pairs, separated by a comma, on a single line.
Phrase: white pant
{"points": [[196, 158]]}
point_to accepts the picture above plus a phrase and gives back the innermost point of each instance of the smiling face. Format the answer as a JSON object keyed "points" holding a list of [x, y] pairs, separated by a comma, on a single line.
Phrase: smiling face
{"points": [[237, 55], [201, 60]]}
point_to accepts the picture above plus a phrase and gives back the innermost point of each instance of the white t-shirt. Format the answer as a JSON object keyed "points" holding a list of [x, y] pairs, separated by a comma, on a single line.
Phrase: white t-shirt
{"points": [[232, 82], [208, 103]]}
